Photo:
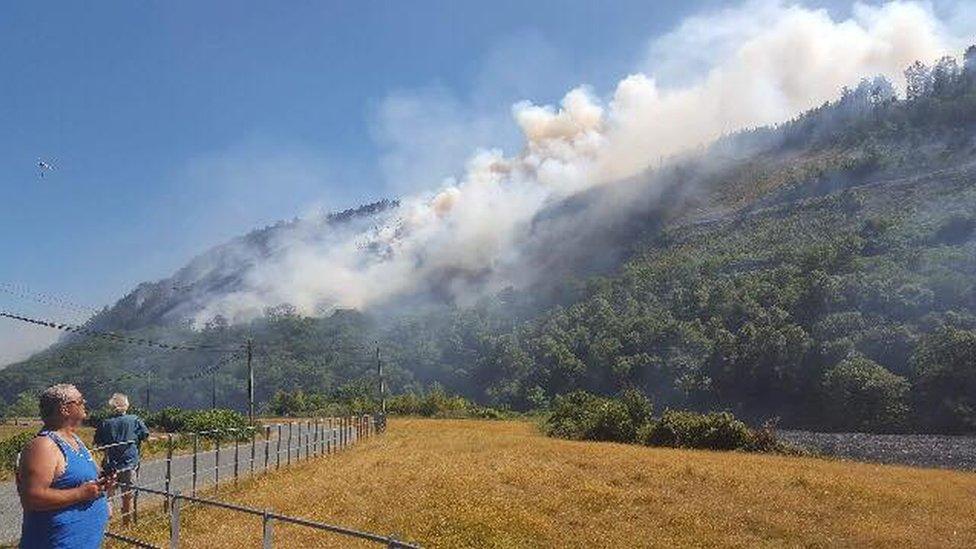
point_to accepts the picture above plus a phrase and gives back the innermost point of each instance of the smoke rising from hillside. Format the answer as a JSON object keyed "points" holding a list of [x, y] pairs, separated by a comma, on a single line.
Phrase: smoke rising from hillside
{"points": [[757, 64]]}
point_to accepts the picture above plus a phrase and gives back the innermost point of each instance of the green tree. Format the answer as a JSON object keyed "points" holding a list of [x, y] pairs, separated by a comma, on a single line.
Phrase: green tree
{"points": [[859, 394], [945, 366]]}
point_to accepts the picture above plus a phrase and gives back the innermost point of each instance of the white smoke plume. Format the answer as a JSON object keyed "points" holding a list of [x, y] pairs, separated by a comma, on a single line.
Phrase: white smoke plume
{"points": [[760, 63]]}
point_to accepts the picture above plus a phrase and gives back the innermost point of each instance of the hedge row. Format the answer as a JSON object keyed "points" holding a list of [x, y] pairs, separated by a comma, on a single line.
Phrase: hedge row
{"points": [[628, 418]]}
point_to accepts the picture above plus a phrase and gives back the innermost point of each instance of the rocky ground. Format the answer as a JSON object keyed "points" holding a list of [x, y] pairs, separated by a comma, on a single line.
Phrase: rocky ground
{"points": [[946, 452]]}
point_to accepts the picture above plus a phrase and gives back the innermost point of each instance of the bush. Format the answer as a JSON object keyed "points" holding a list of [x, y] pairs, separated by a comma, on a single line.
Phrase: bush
{"points": [[434, 403], [862, 395], [10, 447], [221, 421], [584, 416], [714, 431], [170, 419]]}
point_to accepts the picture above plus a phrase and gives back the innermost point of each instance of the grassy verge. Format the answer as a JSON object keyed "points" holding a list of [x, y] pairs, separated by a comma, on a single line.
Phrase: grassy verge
{"points": [[456, 483]]}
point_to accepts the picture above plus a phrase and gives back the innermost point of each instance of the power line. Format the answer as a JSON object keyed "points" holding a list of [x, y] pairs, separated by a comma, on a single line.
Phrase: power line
{"points": [[209, 370], [148, 373], [24, 292], [72, 328]]}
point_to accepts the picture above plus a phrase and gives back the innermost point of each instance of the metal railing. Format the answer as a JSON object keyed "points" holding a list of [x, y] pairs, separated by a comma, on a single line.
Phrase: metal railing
{"points": [[322, 436], [267, 517]]}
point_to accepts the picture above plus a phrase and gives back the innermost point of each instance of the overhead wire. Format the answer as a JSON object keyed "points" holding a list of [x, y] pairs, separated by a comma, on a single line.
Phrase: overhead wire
{"points": [[19, 290], [74, 328]]}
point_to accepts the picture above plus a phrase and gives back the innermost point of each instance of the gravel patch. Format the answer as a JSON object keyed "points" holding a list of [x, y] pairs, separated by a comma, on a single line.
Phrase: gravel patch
{"points": [[941, 451]]}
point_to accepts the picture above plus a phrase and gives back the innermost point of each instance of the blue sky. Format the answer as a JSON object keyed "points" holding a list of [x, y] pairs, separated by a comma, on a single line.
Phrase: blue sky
{"points": [[174, 126]]}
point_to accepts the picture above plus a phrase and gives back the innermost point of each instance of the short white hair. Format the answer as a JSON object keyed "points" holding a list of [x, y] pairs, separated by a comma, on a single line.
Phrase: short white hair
{"points": [[52, 398], [119, 402]]}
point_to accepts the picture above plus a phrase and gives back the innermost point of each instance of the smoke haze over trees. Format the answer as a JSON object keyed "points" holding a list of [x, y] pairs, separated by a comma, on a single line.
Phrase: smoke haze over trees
{"points": [[820, 270]]}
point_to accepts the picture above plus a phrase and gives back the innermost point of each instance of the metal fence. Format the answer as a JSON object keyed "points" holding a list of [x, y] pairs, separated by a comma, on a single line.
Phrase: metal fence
{"points": [[207, 459], [267, 520]]}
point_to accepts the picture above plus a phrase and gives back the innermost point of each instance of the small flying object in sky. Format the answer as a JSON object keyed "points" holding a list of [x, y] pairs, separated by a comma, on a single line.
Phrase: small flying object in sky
{"points": [[43, 167]]}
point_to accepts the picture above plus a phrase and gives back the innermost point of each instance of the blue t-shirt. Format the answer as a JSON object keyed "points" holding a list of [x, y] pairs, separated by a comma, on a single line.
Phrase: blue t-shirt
{"points": [[121, 428]]}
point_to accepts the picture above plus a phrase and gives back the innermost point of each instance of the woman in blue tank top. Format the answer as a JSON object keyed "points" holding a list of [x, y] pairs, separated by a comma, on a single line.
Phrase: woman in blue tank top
{"points": [[58, 481]]}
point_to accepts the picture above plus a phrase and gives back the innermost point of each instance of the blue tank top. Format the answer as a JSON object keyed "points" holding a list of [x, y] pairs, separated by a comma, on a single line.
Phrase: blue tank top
{"points": [[81, 525]]}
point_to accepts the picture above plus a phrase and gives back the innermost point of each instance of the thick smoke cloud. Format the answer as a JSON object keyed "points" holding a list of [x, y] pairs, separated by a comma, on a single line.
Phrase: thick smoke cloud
{"points": [[757, 64]]}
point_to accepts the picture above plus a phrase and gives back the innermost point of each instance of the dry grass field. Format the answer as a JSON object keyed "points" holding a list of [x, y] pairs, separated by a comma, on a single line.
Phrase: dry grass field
{"points": [[502, 484]]}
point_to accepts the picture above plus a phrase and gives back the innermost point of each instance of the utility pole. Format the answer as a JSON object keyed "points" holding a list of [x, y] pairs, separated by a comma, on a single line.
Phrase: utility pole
{"points": [[213, 390], [148, 387], [379, 373], [250, 384]]}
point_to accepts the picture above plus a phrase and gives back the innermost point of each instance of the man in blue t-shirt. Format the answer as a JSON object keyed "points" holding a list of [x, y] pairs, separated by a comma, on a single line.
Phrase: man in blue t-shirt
{"points": [[125, 431]]}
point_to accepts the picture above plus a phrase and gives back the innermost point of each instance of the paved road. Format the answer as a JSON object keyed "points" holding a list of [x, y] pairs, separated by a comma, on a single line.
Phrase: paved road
{"points": [[152, 473]]}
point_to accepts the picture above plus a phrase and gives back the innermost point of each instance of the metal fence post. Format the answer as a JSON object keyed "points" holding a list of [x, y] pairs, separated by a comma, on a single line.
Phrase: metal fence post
{"points": [[266, 531], [217, 463], [278, 451], [196, 447], [174, 520], [237, 450], [314, 432], [169, 468], [253, 439], [135, 500], [291, 426], [267, 445]]}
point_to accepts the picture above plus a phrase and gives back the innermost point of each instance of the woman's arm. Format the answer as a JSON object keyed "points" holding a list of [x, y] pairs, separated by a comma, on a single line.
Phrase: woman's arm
{"points": [[38, 465]]}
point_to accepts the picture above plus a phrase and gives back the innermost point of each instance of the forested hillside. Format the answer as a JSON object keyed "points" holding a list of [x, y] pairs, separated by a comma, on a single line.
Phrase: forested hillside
{"points": [[821, 272]]}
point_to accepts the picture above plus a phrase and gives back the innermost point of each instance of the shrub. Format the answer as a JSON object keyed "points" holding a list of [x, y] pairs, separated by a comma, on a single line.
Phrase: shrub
{"points": [[218, 420], [434, 403], [170, 419], [860, 394], [713, 431], [584, 416]]}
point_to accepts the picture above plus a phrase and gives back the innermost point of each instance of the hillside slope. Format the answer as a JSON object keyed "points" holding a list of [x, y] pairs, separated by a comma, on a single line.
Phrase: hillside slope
{"points": [[820, 272]]}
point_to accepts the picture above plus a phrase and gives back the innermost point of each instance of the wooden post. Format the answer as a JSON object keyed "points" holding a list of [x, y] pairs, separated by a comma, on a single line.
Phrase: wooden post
{"points": [[174, 521], [266, 531], [250, 383], [237, 449]]}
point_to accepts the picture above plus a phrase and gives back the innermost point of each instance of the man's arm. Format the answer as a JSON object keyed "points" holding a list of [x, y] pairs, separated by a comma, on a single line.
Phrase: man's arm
{"points": [[38, 465], [142, 432], [100, 438]]}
